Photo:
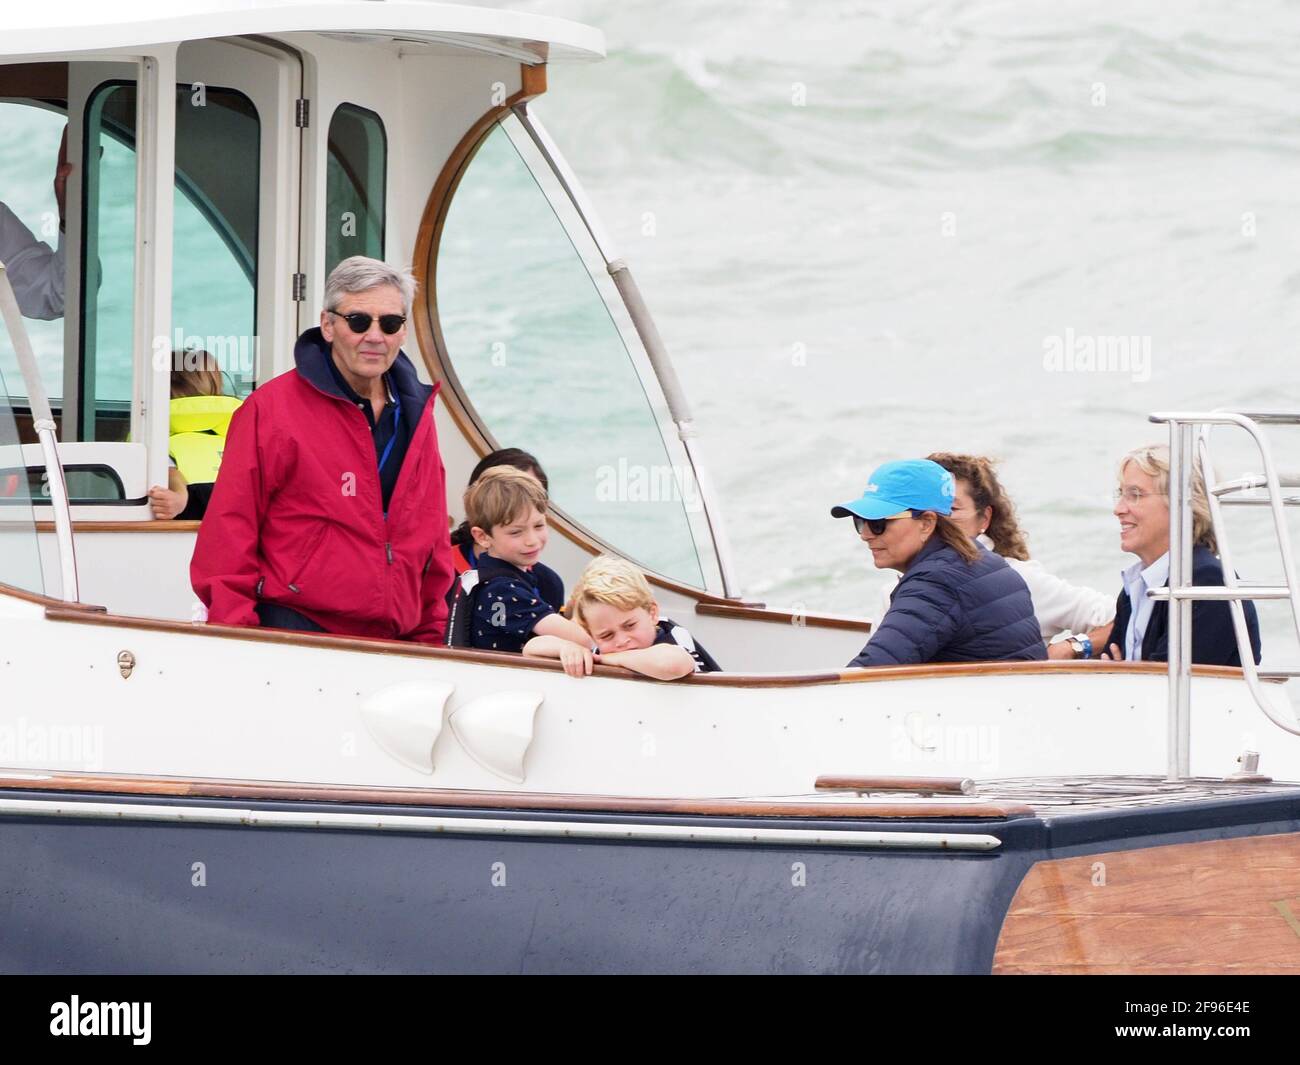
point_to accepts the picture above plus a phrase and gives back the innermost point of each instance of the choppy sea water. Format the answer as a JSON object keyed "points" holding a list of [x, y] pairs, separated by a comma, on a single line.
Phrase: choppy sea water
{"points": [[867, 229]]}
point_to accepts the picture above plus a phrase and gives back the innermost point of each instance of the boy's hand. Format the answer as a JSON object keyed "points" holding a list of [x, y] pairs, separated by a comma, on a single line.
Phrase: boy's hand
{"points": [[577, 661]]}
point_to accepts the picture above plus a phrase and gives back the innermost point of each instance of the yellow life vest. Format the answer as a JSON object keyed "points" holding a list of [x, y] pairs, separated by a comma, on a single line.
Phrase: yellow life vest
{"points": [[198, 435]]}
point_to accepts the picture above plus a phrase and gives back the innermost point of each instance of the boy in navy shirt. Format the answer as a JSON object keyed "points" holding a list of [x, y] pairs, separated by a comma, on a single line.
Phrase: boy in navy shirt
{"points": [[614, 603], [511, 597]]}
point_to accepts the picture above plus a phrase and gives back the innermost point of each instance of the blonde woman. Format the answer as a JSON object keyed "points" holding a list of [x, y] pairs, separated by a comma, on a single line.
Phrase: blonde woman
{"points": [[1141, 627]]}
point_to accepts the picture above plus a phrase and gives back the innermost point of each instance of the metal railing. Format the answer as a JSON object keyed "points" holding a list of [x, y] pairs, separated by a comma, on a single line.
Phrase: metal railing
{"points": [[43, 423], [1189, 445]]}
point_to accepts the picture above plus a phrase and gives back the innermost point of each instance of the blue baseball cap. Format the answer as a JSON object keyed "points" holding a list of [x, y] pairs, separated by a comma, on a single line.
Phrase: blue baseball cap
{"points": [[910, 484]]}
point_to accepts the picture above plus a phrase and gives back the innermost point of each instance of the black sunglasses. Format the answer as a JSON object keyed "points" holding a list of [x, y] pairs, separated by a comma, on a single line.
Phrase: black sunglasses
{"points": [[878, 525], [359, 322]]}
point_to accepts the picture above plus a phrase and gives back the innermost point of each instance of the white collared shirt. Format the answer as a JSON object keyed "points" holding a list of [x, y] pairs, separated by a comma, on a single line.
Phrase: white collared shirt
{"points": [[1138, 580]]}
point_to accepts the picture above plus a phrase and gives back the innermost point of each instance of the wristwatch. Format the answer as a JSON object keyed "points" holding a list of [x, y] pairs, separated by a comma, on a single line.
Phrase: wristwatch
{"points": [[1082, 645]]}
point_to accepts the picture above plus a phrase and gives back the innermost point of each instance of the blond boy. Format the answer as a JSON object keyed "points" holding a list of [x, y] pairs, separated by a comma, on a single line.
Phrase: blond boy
{"points": [[613, 602]]}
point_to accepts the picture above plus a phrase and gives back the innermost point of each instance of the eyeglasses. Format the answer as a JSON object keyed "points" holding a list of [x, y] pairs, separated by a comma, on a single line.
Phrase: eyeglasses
{"points": [[359, 321], [877, 526], [1134, 495]]}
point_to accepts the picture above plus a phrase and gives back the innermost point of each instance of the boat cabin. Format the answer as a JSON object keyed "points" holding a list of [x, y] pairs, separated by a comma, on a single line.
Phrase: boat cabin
{"points": [[225, 159]]}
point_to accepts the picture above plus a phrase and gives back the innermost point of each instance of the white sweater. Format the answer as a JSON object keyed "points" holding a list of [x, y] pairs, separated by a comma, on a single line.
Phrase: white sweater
{"points": [[1059, 605]]}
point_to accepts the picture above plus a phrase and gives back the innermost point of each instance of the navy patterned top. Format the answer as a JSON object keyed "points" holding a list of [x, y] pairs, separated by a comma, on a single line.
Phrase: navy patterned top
{"points": [[509, 602]]}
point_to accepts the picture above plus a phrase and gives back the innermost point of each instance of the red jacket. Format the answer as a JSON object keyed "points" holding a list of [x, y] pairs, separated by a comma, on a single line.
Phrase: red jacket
{"points": [[297, 518]]}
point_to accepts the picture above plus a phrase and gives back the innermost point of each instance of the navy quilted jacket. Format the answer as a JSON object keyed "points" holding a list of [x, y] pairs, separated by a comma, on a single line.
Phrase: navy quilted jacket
{"points": [[948, 610]]}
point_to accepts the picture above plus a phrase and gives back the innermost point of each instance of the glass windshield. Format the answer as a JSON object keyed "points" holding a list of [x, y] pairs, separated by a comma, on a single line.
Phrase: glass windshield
{"points": [[535, 345]]}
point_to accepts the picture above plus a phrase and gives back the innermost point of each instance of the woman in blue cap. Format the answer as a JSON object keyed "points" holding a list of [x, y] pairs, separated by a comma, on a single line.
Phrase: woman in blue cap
{"points": [[956, 601]]}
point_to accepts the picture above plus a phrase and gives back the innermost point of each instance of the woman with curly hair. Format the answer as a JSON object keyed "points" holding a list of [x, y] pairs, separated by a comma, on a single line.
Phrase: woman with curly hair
{"points": [[1074, 615]]}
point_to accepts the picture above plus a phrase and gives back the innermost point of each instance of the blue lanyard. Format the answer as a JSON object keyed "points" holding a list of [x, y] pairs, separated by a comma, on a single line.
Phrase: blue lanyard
{"points": [[397, 415]]}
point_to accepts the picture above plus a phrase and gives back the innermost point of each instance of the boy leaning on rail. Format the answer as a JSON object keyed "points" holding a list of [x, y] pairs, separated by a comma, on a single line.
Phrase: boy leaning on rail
{"points": [[614, 603]]}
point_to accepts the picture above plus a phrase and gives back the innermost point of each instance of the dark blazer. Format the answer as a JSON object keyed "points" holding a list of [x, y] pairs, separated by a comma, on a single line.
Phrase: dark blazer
{"points": [[946, 609], [1213, 641]]}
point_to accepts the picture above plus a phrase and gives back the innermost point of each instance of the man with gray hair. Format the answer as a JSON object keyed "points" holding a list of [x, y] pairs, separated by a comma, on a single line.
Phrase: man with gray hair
{"points": [[330, 510]]}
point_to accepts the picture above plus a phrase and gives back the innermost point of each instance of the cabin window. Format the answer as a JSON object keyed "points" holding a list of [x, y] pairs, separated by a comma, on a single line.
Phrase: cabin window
{"points": [[106, 359], [214, 249], [355, 175], [527, 314], [214, 246], [29, 150]]}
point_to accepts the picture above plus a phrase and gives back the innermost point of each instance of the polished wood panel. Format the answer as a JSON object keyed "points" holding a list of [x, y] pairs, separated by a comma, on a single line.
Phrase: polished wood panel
{"points": [[919, 785], [1218, 906], [758, 612], [35, 81], [117, 784]]}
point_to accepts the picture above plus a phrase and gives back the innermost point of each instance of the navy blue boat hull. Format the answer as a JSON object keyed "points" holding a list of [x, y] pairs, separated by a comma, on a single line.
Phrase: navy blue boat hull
{"points": [[103, 896]]}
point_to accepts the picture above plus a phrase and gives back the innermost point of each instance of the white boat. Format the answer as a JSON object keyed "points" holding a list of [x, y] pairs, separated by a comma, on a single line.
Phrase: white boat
{"points": [[227, 155]]}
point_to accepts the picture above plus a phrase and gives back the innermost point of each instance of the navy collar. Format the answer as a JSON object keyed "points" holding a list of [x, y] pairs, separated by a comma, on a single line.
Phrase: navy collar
{"points": [[489, 567], [315, 364]]}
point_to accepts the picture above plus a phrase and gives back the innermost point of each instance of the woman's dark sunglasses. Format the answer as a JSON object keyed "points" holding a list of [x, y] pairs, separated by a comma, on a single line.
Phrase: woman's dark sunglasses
{"points": [[359, 322], [877, 526]]}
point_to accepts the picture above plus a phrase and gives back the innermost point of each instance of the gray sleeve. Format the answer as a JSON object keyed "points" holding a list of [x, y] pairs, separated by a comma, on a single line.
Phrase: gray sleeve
{"points": [[36, 271]]}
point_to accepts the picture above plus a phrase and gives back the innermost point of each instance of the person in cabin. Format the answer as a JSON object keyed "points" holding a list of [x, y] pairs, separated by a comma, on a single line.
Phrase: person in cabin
{"points": [[330, 514], [464, 557], [511, 596], [1141, 628], [613, 602], [200, 418], [1071, 618], [35, 270], [957, 601]]}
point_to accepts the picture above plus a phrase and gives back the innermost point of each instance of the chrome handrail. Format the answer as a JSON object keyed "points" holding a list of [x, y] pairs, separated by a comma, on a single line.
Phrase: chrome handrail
{"points": [[1181, 593], [43, 423]]}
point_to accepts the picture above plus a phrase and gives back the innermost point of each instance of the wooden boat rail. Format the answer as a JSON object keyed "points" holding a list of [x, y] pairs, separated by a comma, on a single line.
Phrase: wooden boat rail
{"points": [[914, 785], [810, 807], [81, 614]]}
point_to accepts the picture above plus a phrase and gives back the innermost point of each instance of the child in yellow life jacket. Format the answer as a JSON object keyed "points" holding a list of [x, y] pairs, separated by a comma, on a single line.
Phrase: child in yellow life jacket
{"points": [[200, 417]]}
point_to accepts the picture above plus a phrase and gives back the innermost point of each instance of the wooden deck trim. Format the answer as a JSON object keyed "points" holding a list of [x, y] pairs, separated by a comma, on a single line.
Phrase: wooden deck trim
{"points": [[285, 791], [80, 614], [49, 602], [916, 785], [150, 526]]}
